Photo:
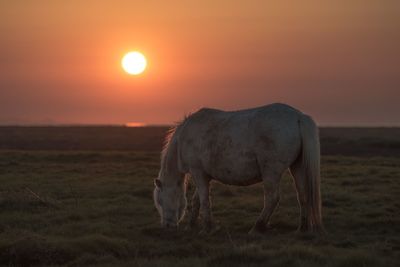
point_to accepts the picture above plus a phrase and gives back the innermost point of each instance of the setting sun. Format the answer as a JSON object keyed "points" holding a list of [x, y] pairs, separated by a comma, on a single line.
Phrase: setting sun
{"points": [[134, 63]]}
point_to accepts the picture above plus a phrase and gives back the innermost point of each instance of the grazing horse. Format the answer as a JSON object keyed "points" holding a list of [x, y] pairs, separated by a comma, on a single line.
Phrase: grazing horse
{"points": [[240, 148]]}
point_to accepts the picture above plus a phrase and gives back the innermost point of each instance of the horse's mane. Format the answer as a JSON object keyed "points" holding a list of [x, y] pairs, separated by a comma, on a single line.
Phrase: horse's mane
{"points": [[167, 140], [170, 134]]}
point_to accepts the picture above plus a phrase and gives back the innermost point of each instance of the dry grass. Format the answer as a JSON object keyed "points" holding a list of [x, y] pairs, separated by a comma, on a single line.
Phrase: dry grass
{"points": [[104, 215]]}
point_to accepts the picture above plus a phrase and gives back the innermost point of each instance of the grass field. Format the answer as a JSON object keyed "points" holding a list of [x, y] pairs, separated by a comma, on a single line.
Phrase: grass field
{"points": [[334, 140], [80, 208]]}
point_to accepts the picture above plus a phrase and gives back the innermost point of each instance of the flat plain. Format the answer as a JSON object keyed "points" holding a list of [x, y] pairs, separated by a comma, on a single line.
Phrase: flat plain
{"points": [[81, 196]]}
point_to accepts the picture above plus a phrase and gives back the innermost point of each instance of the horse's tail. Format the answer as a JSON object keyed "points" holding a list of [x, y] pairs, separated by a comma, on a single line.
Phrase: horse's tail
{"points": [[311, 168]]}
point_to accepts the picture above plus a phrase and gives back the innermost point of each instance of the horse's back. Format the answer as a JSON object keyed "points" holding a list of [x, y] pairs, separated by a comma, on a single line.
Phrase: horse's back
{"points": [[266, 115], [237, 146]]}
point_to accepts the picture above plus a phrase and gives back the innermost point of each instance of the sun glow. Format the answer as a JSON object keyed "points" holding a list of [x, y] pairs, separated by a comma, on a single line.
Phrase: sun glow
{"points": [[134, 63], [135, 124]]}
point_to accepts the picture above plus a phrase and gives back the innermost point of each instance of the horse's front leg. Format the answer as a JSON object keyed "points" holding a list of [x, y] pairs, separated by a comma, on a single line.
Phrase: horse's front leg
{"points": [[195, 209], [271, 200], [203, 190]]}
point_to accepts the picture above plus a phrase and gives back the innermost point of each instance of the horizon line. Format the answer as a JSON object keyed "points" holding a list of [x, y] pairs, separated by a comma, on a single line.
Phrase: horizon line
{"points": [[144, 125]]}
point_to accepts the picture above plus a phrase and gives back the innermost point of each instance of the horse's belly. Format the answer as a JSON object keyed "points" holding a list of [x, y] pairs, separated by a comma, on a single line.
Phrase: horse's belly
{"points": [[240, 181], [235, 173]]}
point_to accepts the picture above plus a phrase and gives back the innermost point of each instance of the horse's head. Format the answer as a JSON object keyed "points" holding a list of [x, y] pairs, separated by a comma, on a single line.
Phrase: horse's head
{"points": [[170, 201]]}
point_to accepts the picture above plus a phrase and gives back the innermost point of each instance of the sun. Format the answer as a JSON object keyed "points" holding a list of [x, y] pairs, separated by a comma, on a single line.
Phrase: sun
{"points": [[134, 63]]}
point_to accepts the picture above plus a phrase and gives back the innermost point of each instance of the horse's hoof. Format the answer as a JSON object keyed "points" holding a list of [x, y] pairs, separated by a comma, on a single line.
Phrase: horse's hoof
{"points": [[256, 232], [303, 232], [215, 229], [253, 231], [210, 230], [204, 232], [258, 229], [190, 227]]}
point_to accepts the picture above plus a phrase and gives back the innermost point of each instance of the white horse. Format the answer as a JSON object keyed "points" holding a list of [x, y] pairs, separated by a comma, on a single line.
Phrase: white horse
{"points": [[240, 148]]}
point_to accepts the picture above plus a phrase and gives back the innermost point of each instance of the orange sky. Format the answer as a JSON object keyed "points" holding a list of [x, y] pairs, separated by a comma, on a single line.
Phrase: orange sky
{"points": [[339, 60]]}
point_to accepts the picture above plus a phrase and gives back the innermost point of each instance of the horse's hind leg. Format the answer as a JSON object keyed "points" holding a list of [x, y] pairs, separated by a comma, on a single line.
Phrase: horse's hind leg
{"points": [[300, 182], [271, 200]]}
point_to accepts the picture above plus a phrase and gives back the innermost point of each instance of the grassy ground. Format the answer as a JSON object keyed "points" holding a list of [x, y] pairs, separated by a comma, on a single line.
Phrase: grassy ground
{"points": [[334, 140], [84, 208]]}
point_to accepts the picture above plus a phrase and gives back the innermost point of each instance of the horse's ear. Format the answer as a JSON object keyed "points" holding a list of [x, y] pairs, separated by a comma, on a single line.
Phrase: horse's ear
{"points": [[157, 183]]}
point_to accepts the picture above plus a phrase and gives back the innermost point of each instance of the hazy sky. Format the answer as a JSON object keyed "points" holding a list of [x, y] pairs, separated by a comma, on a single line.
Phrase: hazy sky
{"points": [[338, 61]]}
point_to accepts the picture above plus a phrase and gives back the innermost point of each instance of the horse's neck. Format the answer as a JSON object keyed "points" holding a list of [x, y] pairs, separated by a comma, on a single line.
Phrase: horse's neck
{"points": [[169, 163]]}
